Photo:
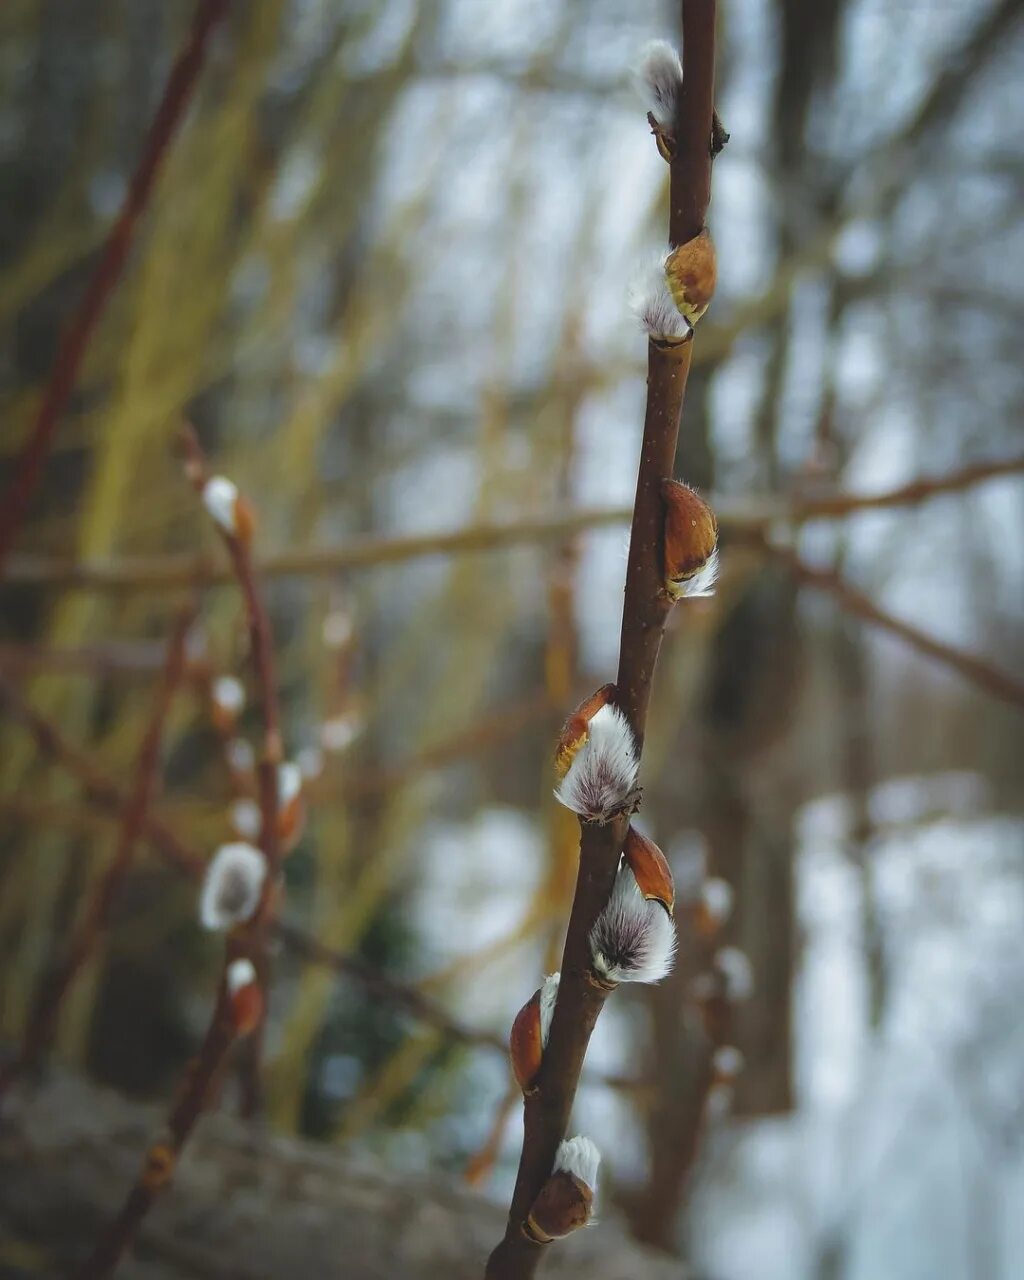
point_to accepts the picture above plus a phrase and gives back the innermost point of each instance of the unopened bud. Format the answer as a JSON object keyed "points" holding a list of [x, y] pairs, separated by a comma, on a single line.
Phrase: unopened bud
{"points": [[290, 809], [245, 996], [690, 543], [726, 1064], [227, 701], [337, 629], [158, 1167], [529, 1034], [713, 907], [650, 868], [566, 1200], [691, 272], [240, 756], [228, 509]]}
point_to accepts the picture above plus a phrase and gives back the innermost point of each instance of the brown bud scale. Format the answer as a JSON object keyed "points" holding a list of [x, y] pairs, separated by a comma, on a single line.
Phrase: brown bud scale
{"points": [[691, 531], [159, 1166], [247, 1008], [525, 1044], [650, 868], [563, 1205], [691, 272], [574, 731]]}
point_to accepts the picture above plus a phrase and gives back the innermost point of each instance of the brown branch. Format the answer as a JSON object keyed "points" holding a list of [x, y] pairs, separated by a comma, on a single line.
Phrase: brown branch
{"points": [[71, 353], [158, 572], [160, 1160], [261, 641], [55, 985], [548, 1105], [415, 1002], [917, 491], [1001, 684]]}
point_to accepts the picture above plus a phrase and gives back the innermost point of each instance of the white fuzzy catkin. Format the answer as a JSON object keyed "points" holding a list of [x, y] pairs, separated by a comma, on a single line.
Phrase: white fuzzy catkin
{"points": [[716, 898], [228, 693], [231, 886], [653, 305], [337, 629], [736, 973], [220, 496], [701, 583], [603, 774], [339, 732], [633, 939], [311, 762], [548, 996], [727, 1061], [289, 783], [246, 818], [580, 1157], [241, 973], [658, 77], [240, 755]]}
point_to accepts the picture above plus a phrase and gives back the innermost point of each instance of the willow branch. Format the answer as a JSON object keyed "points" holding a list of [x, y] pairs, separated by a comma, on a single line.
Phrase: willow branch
{"points": [[912, 494], [71, 353], [158, 572], [1001, 684], [548, 1104], [261, 642], [161, 1158], [96, 917]]}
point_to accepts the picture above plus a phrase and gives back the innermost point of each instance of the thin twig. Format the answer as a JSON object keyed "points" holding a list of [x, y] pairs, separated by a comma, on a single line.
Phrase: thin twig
{"points": [[96, 916], [105, 793], [548, 1104], [1001, 684], [158, 572], [917, 491], [161, 1158], [71, 353], [261, 641]]}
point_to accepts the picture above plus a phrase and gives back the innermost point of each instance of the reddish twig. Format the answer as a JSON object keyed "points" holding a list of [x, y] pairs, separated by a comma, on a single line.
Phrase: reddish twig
{"points": [[1001, 684], [46, 1007], [71, 353], [548, 1104], [161, 1158], [246, 942], [261, 640]]}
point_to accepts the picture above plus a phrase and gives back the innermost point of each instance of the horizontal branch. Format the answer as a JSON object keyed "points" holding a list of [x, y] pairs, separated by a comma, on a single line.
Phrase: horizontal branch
{"points": [[158, 572], [917, 491], [984, 675]]}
